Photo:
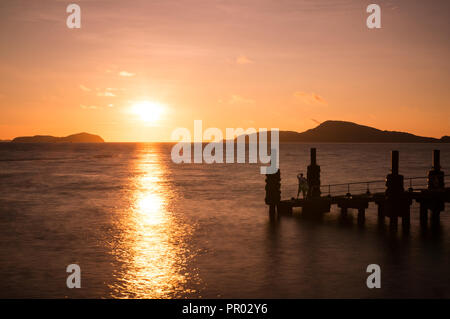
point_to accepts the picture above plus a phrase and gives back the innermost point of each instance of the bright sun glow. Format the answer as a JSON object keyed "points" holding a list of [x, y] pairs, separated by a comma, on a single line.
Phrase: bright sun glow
{"points": [[147, 111]]}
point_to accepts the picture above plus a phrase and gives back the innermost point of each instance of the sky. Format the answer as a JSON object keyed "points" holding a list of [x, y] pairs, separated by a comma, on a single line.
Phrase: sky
{"points": [[287, 64]]}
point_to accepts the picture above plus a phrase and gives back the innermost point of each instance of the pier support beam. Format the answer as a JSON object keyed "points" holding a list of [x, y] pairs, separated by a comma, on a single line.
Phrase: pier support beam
{"points": [[359, 203], [406, 219], [380, 210], [393, 221], [423, 214], [361, 215], [272, 212], [435, 216], [284, 209]]}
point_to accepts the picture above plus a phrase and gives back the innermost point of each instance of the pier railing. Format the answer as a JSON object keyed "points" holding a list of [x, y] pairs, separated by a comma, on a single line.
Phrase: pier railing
{"points": [[373, 186]]}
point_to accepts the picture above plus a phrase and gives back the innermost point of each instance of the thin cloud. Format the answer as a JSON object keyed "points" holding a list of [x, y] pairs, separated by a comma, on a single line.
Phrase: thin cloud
{"points": [[237, 99], [106, 94], [126, 74], [310, 98], [89, 107], [85, 89], [242, 59], [319, 99]]}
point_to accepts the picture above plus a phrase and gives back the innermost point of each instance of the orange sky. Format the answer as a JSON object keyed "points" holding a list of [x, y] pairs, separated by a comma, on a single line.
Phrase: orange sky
{"points": [[231, 63]]}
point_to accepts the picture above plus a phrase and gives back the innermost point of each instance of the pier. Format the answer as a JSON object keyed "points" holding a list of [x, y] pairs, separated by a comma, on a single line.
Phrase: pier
{"points": [[392, 199]]}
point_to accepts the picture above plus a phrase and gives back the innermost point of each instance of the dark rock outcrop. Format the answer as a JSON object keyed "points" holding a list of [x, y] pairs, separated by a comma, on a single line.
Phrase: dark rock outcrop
{"points": [[75, 138]]}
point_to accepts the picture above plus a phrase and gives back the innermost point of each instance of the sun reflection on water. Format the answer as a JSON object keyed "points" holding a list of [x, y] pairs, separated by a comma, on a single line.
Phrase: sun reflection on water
{"points": [[153, 241]]}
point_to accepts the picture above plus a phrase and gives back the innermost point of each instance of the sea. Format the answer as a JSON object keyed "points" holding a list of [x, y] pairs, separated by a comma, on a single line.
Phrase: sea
{"points": [[140, 226]]}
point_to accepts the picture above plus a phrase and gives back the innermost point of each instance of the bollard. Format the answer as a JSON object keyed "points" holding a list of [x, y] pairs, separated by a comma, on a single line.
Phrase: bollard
{"points": [[273, 192], [394, 162], [435, 175], [397, 201], [313, 177], [313, 156], [436, 185]]}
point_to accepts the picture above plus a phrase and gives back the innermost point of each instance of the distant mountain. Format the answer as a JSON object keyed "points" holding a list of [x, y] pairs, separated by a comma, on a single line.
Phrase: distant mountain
{"points": [[348, 132], [75, 138]]}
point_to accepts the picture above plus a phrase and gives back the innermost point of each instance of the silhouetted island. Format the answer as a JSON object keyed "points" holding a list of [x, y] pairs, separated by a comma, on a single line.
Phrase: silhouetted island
{"points": [[348, 132], [74, 138]]}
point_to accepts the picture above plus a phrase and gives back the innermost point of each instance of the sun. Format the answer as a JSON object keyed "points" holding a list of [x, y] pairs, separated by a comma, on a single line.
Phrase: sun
{"points": [[148, 111]]}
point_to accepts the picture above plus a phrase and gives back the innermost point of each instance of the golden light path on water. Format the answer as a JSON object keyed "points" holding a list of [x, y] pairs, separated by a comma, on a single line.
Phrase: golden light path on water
{"points": [[153, 246]]}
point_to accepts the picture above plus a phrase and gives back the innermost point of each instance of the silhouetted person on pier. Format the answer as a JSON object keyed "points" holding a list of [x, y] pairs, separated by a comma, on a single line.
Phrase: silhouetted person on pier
{"points": [[302, 185]]}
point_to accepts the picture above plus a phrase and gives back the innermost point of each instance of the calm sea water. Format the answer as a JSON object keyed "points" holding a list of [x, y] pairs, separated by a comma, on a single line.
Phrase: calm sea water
{"points": [[140, 226]]}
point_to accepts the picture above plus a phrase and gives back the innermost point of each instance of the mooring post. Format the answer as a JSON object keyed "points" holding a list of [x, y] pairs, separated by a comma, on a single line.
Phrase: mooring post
{"points": [[436, 184], [435, 175], [397, 201], [273, 192], [314, 203], [313, 156], [394, 160], [436, 159], [313, 176]]}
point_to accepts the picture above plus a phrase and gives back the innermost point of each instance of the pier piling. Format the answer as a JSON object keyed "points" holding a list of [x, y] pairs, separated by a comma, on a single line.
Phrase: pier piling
{"points": [[434, 197], [397, 202], [313, 176], [361, 215], [423, 214], [273, 193], [380, 211]]}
